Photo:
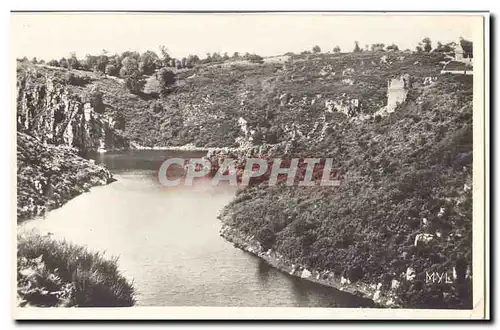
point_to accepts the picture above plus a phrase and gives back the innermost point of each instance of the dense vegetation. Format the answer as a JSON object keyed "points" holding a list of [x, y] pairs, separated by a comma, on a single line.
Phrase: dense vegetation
{"points": [[54, 273], [406, 174], [202, 105], [406, 200], [49, 176]]}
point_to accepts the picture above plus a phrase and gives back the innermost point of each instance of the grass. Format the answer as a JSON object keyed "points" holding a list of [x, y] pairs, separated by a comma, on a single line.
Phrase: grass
{"points": [[56, 273]]}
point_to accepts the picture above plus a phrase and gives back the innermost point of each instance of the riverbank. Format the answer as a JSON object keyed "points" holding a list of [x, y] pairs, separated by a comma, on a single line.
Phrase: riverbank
{"points": [[52, 273], [48, 176], [328, 278], [187, 147]]}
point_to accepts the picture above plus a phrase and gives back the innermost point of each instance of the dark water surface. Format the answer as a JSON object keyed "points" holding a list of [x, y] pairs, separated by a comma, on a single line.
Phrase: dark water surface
{"points": [[168, 241]]}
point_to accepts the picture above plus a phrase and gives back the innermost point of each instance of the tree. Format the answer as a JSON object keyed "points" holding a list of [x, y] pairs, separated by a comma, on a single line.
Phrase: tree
{"points": [[53, 63], [34, 61], [443, 48], [135, 83], [148, 62], [336, 49], [316, 49], [90, 63], [236, 55], [102, 61], [166, 79], [377, 47], [225, 57], [129, 67], [427, 44], [393, 47], [165, 56], [63, 63], [73, 62], [357, 49], [111, 70], [254, 58], [216, 57], [208, 59]]}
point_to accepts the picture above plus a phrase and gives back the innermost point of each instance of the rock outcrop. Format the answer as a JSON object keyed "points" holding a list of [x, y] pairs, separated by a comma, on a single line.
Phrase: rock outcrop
{"points": [[46, 109]]}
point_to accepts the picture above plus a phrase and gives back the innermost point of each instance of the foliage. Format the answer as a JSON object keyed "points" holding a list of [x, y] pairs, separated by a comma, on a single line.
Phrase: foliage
{"points": [[77, 80], [111, 70], [148, 62], [414, 164], [135, 83], [166, 79], [393, 47], [427, 44], [357, 49], [377, 47], [316, 49], [52, 273]]}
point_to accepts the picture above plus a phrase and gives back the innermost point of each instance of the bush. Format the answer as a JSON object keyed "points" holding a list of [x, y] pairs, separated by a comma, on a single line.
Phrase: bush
{"points": [[111, 70], [76, 80], [52, 273], [135, 83], [266, 237], [254, 58], [166, 79]]}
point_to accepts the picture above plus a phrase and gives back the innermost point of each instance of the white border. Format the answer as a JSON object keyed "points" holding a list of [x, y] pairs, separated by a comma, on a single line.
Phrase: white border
{"points": [[155, 312]]}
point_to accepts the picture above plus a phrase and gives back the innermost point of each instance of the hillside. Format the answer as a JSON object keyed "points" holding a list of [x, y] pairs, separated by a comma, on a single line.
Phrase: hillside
{"points": [[400, 131], [49, 176], [404, 208], [206, 105]]}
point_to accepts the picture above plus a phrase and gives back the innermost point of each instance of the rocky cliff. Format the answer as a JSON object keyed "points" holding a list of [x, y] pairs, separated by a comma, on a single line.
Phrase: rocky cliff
{"points": [[48, 110]]}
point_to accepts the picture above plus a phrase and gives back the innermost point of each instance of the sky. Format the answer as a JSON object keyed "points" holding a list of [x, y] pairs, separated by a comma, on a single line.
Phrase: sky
{"points": [[55, 35]]}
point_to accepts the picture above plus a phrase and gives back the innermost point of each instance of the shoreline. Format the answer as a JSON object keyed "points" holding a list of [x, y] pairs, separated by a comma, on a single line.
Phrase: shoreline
{"points": [[381, 298], [186, 147]]}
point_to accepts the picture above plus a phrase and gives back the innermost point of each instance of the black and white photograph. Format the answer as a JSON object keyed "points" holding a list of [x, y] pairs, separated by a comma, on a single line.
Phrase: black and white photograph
{"points": [[290, 165]]}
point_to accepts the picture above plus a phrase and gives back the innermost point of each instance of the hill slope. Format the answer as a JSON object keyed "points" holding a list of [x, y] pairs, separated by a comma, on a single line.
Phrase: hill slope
{"points": [[405, 208]]}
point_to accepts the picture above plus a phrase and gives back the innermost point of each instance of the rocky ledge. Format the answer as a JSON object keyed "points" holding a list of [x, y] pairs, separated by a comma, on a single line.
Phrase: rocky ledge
{"points": [[249, 244], [48, 176]]}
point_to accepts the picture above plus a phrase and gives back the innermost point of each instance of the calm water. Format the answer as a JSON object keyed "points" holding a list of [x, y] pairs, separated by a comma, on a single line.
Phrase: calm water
{"points": [[168, 241]]}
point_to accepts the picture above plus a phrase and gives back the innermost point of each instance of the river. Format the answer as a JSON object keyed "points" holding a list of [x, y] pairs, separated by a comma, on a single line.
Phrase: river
{"points": [[167, 240]]}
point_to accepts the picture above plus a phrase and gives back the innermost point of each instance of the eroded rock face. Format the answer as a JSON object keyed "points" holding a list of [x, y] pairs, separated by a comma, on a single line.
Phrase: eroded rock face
{"points": [[47, 110]]}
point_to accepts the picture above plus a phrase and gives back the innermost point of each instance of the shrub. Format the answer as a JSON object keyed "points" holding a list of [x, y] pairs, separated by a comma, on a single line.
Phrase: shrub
{"points": [[266, 237], [111, 70], [55, 273], [77, 80], [135, 83], [254, 58], [166, 79]]}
